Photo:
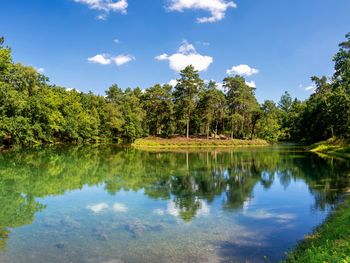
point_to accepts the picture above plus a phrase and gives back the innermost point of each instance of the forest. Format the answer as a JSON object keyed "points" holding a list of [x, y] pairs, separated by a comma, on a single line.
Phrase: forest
{"points": [[33, 111]]}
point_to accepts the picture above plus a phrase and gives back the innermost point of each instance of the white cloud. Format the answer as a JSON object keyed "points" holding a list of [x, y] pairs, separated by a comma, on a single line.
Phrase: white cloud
{"points": [[40, 70], [187, 55], [106, 6], [264, 214], [102, 59], [186, 48], [242, 70], [73, 89], [117, 41], [309, 88], [97, 208], [173, 82], [123, 59], [117, 207], [105, 59], [251, 84], [217, 8], [220, 86]]}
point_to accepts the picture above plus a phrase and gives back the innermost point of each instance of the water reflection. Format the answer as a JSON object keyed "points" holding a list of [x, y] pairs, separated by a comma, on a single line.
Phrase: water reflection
{"points": [[189, 182]]}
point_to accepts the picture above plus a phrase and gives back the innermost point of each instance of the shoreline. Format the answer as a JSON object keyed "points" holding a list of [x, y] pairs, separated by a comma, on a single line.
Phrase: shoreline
{"points": [[194, 143], [329, 242], [333, 147]]}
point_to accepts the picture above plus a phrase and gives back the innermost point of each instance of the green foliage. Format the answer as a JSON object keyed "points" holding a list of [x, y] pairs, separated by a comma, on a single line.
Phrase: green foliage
{"points": [[33, 112], [333, 147], [159, 108], [341, 75], [243, 107], [269, 126], [211, 106], [186, 95]]}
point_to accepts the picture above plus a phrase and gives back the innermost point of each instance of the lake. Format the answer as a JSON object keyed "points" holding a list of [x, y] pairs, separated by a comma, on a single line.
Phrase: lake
{"points": [[111, 204]]}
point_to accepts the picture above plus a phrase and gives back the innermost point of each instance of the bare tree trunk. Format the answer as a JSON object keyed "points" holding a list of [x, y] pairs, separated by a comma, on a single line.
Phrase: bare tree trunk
{"points": [[231, 130], [188, 128], [252, 134], [208, 131], [223, 126]]}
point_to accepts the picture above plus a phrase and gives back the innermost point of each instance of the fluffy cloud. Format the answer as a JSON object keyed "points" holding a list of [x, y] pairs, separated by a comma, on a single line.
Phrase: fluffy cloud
{"points": [[251, 84], [118, 207], [173, 82], [105, 59], [97, 208], [102, 59], [187, 55], [123, 59], [106, 6], [217, 8], [242, 70]]}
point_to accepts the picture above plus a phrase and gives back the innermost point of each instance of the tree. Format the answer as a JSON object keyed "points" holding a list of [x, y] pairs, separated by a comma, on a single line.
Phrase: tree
{"points": [[211, 103], [269, 127], [186, 94], [158, 106], [241, 101], [341, 75]]}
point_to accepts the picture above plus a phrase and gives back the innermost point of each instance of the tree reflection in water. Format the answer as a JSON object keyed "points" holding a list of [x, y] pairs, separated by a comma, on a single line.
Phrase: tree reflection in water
{"points": [[188, 179]]}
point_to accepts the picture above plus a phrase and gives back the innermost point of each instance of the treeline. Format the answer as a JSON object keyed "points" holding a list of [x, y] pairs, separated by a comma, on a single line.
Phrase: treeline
{"points": [[32, 111]]}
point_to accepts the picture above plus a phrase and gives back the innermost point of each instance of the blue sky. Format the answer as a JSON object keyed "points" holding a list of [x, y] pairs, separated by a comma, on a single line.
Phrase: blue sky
{"points": [[280, 43]]}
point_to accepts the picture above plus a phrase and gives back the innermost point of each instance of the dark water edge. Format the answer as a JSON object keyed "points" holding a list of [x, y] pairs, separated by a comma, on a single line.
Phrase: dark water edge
{"points": [[105, 203]]}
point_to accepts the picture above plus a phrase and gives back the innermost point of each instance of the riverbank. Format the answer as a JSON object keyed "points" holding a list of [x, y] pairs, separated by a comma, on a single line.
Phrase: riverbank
{"points": [[182, 142], [333, 147], [330, 242]]}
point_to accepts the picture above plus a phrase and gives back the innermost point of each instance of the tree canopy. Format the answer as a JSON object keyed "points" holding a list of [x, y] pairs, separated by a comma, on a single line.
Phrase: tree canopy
{"points": [[33, 111]]}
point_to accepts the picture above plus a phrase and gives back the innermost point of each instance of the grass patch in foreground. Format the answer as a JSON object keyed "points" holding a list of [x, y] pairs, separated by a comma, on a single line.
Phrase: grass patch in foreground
{"points": [[181, 142], [333, 146], [329, 243]]}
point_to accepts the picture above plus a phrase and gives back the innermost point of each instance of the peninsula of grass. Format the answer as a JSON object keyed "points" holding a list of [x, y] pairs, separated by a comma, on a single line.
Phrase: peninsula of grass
{"points": [[182, 142], [333, 147], [329, 243]]}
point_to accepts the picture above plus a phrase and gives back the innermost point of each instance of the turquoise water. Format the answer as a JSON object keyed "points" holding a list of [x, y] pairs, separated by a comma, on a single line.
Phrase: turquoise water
{"points": [[110, 204]]}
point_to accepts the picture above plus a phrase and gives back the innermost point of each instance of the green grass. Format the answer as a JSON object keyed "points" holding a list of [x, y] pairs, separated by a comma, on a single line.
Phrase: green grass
{"points": [[329, 243], [181, 142], [333, 147]]}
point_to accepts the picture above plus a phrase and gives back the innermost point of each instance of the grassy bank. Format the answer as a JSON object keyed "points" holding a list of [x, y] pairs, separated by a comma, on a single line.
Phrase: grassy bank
{"points": [[330, 242], [333, 147], [181, 142]]}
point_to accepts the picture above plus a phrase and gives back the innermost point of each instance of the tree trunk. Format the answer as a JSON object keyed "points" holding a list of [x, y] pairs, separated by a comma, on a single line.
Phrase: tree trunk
{"points": [[188, 128], [253, 129], [231, 130], [223, 126], [208, 131]]}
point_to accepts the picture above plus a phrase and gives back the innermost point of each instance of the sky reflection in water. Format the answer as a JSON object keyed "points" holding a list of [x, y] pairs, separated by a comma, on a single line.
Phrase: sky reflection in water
{"points": [[110, 204]]}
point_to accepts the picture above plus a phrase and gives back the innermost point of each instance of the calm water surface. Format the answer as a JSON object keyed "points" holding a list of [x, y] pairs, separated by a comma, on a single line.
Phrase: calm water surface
{"points": [[112, 205]]}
